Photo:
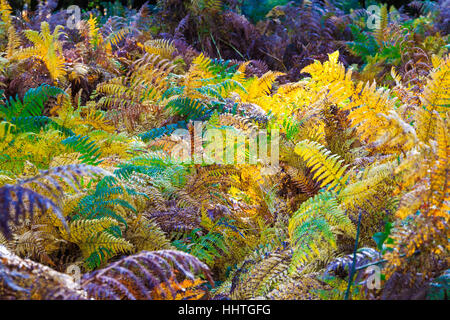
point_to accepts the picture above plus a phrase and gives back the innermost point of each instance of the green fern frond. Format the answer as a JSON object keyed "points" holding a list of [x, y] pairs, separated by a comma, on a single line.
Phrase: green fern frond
{"points": [[189, 108], [317, 220], [97, 240], [308, 238], [32, 104], [82, 144]]}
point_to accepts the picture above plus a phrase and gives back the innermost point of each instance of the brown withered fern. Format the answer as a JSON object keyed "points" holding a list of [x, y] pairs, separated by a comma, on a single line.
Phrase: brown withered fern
{"points": [[138, 276]]}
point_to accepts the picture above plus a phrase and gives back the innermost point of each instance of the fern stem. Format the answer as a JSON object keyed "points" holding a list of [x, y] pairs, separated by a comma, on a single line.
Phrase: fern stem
{"points": [[380, 262], [215, 44], [233, 47], [352, 272]]}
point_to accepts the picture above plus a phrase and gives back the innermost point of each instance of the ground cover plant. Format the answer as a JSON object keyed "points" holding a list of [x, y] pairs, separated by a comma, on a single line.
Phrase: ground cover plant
{"points": [[222, 149]]}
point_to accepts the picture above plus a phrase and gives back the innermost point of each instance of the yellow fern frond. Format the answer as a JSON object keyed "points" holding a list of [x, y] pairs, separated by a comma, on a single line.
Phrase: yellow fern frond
{"points": [[95, 38], [327, 168], [329, 72], [13, 42], [161, 47], [366, 191], [435, 98], [145, 234], [439, 178], [437, 91], [95, 241], [47, 48], [380, 32], [65, 159], [240, 72], [96, 119], [82, 229], [6, 11], [261, 86]]}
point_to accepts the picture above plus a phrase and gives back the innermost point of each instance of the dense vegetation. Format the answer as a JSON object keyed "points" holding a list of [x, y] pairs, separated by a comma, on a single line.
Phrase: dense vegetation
{"points": [[356, 206]]}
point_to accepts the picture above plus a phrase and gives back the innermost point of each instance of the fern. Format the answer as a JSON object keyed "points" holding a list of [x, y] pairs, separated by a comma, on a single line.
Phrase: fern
{"points": [[190, 108], [161, 47], [19, 200], [257, 276], [364, 44], [32, 104], [207, 247], [146, 235], [326, 168], [47, 48], [14, 42], [435, 99], [341, 266], [6, 13], [161, 131], [27, 115], [108, 200], [98, 239], [89, 150], [138, 276], [317, 219]]}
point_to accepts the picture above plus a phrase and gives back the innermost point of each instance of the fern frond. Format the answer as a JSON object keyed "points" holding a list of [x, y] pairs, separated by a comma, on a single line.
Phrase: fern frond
{"points": [[20, 200], [326, 167], [190, 108], [315, 222], [380, 32], [137, 276], [341, 266], [14, 42], [95, 38], [261, 277], [6, 13], [97, 240], [32, 104], [161, 131], [304, 181], [323, 204], [308, 239], [262, 86], [146, 235], [69, 175], [47, 48], [375, 181], [116, 37], [207, 247], [439, 178], [436, 98], [162, 47], [89, 150]]}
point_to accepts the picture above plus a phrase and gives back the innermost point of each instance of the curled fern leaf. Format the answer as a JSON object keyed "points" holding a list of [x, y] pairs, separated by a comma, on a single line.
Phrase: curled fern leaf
{"points": [[341, 266]]}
